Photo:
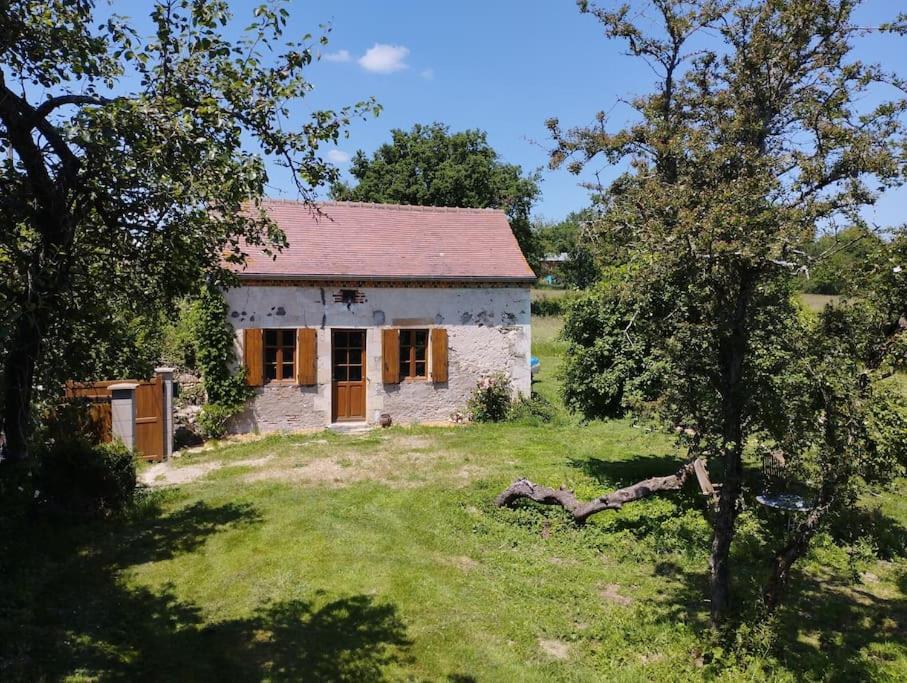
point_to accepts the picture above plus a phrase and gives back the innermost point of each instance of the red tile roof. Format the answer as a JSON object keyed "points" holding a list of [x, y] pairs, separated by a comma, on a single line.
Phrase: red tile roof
{"points": [[388, 241]]}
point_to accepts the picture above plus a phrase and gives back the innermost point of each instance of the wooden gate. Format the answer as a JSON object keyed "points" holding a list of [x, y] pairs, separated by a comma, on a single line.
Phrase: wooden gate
{"points": [[149, 412]]}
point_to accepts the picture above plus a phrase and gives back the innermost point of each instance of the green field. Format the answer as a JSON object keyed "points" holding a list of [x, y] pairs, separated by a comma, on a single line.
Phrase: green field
{"points": [[382, 557]]}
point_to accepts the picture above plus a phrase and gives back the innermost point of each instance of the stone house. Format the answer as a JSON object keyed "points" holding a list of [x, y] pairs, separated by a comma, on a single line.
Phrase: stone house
{"points": [[378, 309]]}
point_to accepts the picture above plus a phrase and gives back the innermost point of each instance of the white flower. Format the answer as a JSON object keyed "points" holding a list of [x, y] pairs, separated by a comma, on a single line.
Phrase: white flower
{"points": [[897, 269]]}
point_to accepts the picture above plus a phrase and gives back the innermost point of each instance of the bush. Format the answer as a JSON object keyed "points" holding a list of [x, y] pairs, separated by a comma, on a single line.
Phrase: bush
{"points": [[547, 305], [534, 409], [605, 363], [213, 419], [491, 400], [86, 480]]}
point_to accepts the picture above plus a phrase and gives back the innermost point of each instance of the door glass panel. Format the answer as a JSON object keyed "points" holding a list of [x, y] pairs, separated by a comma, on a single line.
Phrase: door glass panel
{"points": [[355, 373], [340, 373], [339, 356]]}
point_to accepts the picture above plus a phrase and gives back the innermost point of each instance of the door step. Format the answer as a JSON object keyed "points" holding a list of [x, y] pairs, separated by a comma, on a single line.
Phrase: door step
{"points": [[350, 427]]}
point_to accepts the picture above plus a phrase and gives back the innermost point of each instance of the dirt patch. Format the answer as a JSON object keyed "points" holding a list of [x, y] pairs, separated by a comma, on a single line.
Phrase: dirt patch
{"points": [[558, 649], [396, 463], [167, 474], [611, 593]]}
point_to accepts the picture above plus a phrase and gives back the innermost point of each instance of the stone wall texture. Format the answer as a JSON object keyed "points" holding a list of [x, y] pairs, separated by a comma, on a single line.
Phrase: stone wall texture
{"points": [[488, 331]]}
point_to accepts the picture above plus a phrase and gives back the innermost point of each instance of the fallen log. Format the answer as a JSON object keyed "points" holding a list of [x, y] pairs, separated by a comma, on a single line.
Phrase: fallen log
{"points": [[581, 511]]}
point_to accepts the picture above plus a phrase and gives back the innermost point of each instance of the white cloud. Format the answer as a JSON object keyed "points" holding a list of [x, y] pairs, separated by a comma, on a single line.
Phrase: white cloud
{"points": [[338, 156], [339, 56], [384, 59], [428, 74]]}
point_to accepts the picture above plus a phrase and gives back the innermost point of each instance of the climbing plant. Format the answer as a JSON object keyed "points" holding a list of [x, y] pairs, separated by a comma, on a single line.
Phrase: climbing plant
{"points": [[223, 378]]}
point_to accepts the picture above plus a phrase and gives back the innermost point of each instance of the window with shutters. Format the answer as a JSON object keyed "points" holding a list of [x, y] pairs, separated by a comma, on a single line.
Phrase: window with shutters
{"points": [[280, 354], [413, 354]]}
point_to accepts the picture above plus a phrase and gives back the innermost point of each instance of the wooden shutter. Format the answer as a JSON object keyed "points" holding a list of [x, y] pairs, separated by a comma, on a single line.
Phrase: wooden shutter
{"points": [[439, 355], [390, 350], [306, 357], [253, 357]]}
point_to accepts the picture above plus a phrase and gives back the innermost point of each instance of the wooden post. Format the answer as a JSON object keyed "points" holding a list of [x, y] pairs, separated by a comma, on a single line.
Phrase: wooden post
{"points": [[165, 375]]}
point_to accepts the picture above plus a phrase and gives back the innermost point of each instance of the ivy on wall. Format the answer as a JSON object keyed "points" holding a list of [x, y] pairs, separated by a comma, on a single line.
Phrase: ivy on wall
{"points": [[225, 386]]}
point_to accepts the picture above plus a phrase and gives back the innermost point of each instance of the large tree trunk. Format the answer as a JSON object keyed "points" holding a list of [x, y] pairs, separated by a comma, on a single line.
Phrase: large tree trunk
{"points": [[725, 520], [733, 351], [18, 379], [581, 511]]}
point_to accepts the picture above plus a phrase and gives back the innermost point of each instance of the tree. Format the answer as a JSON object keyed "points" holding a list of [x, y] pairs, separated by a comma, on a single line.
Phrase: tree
{"points": [[840, 256], [581, 269], [430, 166], [133, 167], [756, 132]]}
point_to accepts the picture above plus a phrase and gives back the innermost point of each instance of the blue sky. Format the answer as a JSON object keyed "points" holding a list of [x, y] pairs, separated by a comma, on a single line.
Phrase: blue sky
{"points": [[504, 66]]}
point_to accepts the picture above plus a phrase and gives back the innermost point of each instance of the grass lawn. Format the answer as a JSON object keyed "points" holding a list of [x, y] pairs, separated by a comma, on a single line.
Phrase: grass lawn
{"points": [[381, 556]]}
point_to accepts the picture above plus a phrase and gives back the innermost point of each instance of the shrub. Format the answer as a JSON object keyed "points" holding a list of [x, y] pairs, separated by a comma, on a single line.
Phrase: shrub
{"points": [[534, 409], [86, 480], [213, 419], [547, 305], [605, 363], [491, 399]]}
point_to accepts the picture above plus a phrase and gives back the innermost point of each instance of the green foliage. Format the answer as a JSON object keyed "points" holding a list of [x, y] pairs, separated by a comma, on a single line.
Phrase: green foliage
{"points": [[717, 214], [491, 399], [214, 343], [534, 409], [840, 258], [178, 343], [139, 164], [606, 359], [571, 236], [214, 418], [430, 166], [225, 387], [84, 479]]}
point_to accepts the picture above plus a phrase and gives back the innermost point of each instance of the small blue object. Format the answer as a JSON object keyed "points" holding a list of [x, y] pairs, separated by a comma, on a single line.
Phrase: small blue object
{"points": [[534, 365], [785, 501]]}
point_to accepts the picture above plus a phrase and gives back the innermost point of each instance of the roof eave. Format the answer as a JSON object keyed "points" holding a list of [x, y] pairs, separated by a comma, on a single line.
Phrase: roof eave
{"points": [[516, 279]]}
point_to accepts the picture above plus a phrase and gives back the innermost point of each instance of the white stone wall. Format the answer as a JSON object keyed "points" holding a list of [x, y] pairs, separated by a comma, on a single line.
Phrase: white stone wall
{"points": [[488, 331]]}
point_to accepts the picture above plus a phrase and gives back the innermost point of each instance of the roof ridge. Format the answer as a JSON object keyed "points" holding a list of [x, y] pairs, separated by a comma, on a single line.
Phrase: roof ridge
{"points": [[389, 207]]}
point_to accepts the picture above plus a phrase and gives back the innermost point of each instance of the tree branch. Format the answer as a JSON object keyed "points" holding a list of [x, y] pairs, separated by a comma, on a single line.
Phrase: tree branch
{"points": [[523, 488], [49, 105]]}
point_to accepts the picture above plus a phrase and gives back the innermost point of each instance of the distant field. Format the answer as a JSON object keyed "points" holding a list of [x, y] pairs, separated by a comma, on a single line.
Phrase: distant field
{"points": [[546, 293]]}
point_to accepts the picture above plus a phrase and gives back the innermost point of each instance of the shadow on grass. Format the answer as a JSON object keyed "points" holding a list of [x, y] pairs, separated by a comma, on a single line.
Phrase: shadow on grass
{"points": [[835, 631], [65, 610], [828, 629]]}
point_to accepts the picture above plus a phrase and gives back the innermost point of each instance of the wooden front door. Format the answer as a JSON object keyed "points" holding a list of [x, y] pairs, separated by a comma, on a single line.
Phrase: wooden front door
{"points": [[348, 395]]}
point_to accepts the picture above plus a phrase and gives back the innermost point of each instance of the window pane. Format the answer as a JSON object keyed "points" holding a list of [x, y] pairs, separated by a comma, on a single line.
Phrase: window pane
{"points": [[420, 369], [288, 370], [355, 373], [271, 370], [421, 337], [270, 355], [405, 338], [270, 337], [420, 353], [404, 367]]}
